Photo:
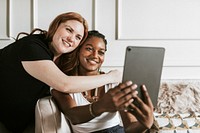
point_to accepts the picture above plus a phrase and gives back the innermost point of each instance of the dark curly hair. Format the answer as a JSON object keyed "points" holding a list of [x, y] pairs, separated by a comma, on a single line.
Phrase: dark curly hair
{"points": [[95, 33]]}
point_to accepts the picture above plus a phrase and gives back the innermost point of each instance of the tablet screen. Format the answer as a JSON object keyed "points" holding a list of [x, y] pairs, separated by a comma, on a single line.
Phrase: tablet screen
{"points": [[143, 65]]}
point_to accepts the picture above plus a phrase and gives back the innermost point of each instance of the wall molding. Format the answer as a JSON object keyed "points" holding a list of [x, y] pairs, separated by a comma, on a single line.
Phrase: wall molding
{"points": [[5, 19], [168, 20], [34, 13]]}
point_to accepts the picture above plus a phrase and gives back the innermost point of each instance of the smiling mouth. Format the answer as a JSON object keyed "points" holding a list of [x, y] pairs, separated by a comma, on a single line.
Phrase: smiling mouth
{"points": [[66, 43], [92, 61]]}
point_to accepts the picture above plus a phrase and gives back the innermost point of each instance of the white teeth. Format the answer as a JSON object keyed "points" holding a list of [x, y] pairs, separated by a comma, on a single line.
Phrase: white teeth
{"points": [[92, 61], [66, 43]]}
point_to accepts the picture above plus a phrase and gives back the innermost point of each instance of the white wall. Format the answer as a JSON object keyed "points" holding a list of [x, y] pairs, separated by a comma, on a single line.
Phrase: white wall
{"points": [[173, 24]]}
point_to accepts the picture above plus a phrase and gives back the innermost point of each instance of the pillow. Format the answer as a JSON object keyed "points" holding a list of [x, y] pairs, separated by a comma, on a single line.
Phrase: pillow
{"points": [[48, 118], [179, 96]]}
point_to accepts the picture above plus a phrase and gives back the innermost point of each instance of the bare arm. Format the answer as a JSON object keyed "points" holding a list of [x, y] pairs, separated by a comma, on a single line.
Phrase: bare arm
{"points": [[47, 72], [113, 100], [75, 114]]}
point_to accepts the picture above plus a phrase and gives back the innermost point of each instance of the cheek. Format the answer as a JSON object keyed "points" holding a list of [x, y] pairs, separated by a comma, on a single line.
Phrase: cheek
{"points": [[77, 43], [61, 31], [81, 57], [82, 62], [102, 59], [55, 38], [85, 53]]}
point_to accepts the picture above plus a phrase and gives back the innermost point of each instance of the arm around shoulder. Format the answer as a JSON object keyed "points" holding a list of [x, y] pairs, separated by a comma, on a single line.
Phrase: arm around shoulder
{"points": [[47, 72]]}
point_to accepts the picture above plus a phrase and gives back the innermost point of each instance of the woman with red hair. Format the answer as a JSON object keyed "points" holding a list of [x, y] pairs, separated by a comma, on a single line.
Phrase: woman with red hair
{"points": [[29, 67]]}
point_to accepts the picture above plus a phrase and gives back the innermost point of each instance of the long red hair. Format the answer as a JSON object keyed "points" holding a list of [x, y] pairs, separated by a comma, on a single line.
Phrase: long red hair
{"points": [[67, 61]]}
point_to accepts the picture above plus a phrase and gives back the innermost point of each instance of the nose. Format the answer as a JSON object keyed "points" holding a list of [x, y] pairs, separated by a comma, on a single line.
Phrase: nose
{"points": [[71, 38], [95, 54]]}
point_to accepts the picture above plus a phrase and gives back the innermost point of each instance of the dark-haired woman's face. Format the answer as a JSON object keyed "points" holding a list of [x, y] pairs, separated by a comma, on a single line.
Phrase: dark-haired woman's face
{"points": [[92, 53]]}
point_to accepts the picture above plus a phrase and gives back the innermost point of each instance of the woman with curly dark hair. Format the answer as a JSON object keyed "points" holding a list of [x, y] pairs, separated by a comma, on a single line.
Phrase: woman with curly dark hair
{"points": [[29, 67]]}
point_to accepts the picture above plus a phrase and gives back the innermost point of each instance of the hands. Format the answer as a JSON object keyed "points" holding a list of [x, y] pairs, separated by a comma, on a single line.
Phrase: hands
{"points": [[121, 98], [143, 112], [118, 98]]}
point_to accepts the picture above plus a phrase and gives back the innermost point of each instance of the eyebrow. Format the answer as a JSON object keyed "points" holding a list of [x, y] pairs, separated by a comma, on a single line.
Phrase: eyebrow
{"points": [[88, 44], [73, 30]]}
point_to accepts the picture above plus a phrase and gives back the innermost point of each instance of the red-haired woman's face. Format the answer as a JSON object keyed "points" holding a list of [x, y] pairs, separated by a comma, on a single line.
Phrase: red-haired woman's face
{"points": [[91, 55], [67, 37]]}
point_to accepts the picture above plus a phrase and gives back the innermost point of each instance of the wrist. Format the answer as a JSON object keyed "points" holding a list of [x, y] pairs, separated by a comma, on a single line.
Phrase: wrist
{"points": [[108, 78], [97, 108], [91, 110]]}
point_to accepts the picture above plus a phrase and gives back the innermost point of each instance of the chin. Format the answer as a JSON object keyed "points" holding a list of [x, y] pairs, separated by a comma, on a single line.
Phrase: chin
{"points": [[67, 50], [92, 69]]}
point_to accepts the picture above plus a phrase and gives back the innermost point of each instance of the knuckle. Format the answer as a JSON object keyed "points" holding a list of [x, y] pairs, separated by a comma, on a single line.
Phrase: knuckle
{"points": [[114, 100]]}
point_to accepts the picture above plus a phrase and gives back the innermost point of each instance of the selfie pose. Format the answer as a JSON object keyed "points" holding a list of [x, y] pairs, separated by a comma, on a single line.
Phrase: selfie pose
{"points": [[96, 110], [29, 67]]}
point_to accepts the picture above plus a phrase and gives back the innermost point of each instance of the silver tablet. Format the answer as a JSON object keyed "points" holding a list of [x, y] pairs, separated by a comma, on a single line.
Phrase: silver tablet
{"points": [[143, 65]]}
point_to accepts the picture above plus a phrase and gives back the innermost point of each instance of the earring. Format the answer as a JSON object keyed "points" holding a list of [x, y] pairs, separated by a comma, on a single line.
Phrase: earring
{"points": [[99, 70]]}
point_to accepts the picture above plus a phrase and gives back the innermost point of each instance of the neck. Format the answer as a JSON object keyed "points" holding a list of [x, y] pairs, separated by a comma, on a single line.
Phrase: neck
{"points": [[90, 95], [55, 57]]}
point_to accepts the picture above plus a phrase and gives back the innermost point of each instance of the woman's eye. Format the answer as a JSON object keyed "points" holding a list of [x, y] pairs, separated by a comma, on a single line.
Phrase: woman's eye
{"points": [[68, 29], [89, 49], [101, 53], [78, 38]]}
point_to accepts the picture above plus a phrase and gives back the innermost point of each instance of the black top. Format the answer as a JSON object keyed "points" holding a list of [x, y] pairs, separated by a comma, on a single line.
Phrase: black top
{"points": [[19, 91]]}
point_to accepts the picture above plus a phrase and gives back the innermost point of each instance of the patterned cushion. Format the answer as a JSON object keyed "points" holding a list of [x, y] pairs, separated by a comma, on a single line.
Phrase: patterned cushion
{"points": [[178, 107], [179, 96]]}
